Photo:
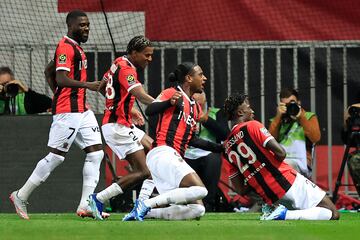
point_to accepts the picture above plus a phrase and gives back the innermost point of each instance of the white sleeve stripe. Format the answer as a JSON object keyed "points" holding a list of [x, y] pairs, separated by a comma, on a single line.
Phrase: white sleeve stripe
{"points": [[133, 86], [267, 140], [63, 68], [234, 175]]}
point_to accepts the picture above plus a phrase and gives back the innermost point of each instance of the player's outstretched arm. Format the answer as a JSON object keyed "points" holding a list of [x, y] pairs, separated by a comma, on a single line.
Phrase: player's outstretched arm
{"points": [[141, 95], [63, 80]]}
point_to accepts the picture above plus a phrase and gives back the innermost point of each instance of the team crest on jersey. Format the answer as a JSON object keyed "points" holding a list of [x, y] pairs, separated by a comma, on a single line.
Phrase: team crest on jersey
{"points": [[130, 79], [62, 59]]}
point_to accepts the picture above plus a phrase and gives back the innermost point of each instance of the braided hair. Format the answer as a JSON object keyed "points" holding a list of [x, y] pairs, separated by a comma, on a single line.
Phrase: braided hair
{"points": [[138, 44]]}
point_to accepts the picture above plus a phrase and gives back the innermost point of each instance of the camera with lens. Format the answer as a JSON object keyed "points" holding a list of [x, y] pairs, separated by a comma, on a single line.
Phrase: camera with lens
{"points": [[11, 89], [292, 109]]}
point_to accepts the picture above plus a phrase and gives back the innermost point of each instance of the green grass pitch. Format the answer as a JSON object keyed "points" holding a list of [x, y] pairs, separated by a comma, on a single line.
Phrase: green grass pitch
{"points": [[211, 226]]}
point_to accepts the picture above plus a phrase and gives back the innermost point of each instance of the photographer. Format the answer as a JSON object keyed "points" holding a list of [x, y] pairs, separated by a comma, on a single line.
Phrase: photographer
{"points": [[351, 123], [17, 99], [296, 130]]}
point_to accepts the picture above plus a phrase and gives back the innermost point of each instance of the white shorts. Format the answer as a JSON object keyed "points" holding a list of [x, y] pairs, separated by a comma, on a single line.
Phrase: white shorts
{"points": [[67, 127], [121, 139], [303, 194], [167, 168]]}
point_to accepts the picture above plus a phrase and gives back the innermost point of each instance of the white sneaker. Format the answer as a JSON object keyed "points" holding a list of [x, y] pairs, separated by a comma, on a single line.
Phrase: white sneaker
{"points": [[86, 212], [266, 210], [20, 205], [278, 214]]}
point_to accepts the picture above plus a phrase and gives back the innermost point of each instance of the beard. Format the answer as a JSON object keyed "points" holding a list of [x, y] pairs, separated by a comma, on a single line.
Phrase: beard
{"points": [[79, 37]]}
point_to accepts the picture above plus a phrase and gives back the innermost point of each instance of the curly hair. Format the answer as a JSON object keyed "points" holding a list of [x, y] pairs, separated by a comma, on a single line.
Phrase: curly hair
{"points": [[232, 103]]}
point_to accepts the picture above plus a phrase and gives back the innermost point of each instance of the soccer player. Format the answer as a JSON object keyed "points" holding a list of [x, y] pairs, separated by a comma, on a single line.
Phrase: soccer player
{"points": [[122, 86], [176, 182], [72, 120], [256, 162]]}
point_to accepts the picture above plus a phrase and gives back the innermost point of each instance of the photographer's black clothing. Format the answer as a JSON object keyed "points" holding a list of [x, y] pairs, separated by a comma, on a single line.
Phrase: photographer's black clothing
{"points": [[24, 103]]}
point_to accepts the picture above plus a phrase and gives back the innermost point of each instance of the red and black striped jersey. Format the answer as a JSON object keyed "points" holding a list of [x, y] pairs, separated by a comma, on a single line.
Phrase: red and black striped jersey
{"points": [[247, 155], [69, 56], [120, 78], [177, 124]]}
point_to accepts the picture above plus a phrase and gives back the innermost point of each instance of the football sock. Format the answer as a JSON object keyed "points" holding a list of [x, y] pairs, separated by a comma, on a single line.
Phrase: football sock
{"points": [[177, 196], [91, 175], [315, 213], [177, 212], [109, 192], [146, 189], [41, 172]]}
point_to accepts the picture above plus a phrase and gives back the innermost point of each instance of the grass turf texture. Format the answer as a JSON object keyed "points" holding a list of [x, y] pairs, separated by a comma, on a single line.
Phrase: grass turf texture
{"points": [[211, 226]]}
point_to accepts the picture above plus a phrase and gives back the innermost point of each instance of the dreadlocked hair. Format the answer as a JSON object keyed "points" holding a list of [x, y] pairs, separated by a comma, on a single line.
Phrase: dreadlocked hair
{"points": [[231, 104], [138, 44]]}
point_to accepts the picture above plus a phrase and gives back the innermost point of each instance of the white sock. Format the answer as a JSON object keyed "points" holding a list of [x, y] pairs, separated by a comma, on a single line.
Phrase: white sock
{"points": [[315, 213], [109, 192], [146, 189], [178, 212], [91, 175], [41, 172], [177, 196]]}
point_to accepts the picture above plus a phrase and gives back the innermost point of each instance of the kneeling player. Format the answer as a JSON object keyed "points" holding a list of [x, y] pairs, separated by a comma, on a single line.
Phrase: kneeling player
{"points": [[256, 162]]}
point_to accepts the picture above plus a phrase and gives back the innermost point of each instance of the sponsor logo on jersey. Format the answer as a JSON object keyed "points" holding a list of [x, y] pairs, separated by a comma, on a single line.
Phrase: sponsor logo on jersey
{"points": [[62, 59], [130, 79]]}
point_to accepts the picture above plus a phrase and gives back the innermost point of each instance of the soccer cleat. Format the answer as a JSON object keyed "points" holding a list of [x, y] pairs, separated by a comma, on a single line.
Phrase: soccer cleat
{"points": [[141, 210], [131, 215], [278, 214], [96, 207], [266, 210], [20, 205], [86, 212]]}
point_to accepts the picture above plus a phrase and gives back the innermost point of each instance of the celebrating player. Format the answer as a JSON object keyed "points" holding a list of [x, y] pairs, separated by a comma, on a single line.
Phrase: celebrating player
{"points": [[72, 120], [175, 180], [255, 160], [121, 135]]}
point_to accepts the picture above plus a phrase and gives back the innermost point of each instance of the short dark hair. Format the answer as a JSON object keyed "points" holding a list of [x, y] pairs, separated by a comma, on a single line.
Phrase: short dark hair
{"points": [[287, 92], [181, 70], [232, 103], [73, 15], [6, 70], [138, 44]]}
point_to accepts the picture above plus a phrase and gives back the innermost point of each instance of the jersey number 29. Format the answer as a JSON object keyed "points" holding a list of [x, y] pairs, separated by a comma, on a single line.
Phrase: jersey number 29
{"points": [[245, 152]]}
